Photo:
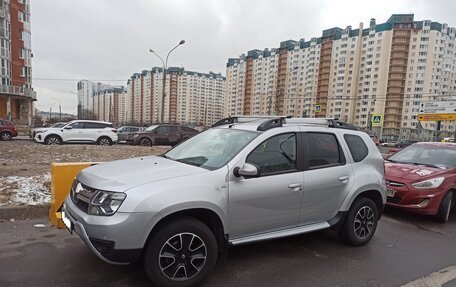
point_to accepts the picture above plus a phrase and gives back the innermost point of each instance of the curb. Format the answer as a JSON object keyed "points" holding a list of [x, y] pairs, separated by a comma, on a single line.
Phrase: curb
{"points": [[24, 211]]}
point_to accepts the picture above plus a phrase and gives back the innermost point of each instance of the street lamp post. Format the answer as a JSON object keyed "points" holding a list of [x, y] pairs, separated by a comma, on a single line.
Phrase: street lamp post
{"points": [[60, 108], [165, 66], [50, 112]]}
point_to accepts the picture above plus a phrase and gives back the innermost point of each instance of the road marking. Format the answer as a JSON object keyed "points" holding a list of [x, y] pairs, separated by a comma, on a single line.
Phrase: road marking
{"points": [[435, 279]]}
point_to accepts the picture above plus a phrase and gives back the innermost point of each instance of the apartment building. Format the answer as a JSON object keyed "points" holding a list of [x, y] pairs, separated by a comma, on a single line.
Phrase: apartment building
{"points": [[351, 74], [191, 97], [107, 105], [16, 92], [85, 91]]}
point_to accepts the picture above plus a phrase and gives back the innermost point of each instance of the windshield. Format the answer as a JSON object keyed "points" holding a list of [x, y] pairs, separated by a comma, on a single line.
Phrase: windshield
{"points": [[213, 148], [151, 128], [57, 125], [443, 157]]}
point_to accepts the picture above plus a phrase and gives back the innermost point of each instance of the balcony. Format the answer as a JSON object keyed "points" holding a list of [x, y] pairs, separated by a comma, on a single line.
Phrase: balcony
{"points": [[18, 91]]}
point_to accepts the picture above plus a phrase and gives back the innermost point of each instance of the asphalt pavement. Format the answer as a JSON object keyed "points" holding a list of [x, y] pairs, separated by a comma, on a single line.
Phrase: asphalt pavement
{"points": [[405, 248]]}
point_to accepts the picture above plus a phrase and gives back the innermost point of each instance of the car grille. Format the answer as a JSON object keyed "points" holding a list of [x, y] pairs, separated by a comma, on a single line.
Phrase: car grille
{"points": [[395, 199], [81, 195], [394, 184]]}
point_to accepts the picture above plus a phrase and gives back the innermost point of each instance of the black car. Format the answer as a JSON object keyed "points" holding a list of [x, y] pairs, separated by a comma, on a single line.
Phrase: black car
{"points": [[161, 134]]}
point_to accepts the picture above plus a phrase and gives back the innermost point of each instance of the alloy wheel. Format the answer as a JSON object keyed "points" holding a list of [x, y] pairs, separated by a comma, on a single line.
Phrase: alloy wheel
{"points": [[103, 141], [364, 221], [182, 256], [53, 141], [6, 136]]}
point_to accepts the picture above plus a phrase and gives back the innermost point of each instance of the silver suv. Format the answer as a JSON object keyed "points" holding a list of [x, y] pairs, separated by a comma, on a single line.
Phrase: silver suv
{"points": [[233, 184]]}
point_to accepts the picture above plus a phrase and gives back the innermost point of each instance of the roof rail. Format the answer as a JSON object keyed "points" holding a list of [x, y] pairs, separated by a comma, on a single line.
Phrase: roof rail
{"points": [[331, 123], [243, 119]]}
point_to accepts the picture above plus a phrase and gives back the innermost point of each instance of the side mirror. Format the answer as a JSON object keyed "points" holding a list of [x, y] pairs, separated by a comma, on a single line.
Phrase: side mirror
{"points": [[68, 127], [247, 170]]}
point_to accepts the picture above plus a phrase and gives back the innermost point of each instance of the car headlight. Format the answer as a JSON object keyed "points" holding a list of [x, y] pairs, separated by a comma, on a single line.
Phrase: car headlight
{"points": [[106, 202], [430, 183], [39, 132]]}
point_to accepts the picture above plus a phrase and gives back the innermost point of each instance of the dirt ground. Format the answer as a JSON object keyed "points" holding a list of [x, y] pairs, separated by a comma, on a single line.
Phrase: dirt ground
{"points": [[25, 166], [26, 158]]}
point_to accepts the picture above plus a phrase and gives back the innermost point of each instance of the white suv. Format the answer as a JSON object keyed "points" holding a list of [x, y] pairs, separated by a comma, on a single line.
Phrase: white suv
{"points": [[79, 131]]}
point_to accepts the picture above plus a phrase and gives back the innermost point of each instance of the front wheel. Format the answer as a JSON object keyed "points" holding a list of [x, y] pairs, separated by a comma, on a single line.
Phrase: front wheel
{"points": [[361, 222], [445, 206], [53, 140], [180, 254]]}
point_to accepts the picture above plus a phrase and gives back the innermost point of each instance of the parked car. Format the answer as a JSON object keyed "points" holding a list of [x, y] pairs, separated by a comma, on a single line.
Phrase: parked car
{"points": [[422, 179], [163, 134], [7, 130], [55, 125], [78, 131], [229, 185], [389, 144], [124, 131], [404, 143]]}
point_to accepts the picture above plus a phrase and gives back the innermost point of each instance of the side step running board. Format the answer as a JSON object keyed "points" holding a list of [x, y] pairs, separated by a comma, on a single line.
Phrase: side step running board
{"points": [[280, 233]]}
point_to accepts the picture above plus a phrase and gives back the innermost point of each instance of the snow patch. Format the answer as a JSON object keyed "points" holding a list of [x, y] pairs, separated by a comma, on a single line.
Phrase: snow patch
{"points": [[31, 190]]}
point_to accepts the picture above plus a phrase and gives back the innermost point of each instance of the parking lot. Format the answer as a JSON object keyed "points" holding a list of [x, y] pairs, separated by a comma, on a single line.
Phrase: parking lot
{"points": [[406, 250]]}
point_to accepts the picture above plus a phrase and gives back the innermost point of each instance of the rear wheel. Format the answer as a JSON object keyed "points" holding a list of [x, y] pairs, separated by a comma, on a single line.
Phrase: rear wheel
{"points": [[360, 223], [53, 140], [182, 253], [445, 206], [145, 142], [6, 136], [104, 141]]}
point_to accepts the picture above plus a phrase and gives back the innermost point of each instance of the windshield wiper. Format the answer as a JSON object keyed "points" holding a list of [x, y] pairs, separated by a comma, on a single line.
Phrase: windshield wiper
{"points": [[165, 156], [196, 160]]}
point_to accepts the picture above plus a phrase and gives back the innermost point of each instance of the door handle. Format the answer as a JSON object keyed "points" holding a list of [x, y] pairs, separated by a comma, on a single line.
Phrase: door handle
{"points": [[344, 179], [295, 186]]}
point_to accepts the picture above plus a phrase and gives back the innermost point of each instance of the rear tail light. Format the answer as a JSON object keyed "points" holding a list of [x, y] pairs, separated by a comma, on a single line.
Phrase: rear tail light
{"points": [[114, 130]]}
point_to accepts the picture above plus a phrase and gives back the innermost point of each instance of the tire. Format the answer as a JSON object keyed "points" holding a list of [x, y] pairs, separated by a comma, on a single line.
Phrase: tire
{"points": [[192, 266], [443, 214], [360, 223], [53, 140], [6, 136], [145, 142], [104, 141]]}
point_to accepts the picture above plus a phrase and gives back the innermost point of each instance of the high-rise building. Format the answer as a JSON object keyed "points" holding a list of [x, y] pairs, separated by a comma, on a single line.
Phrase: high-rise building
{"points": [[191, 97], [351, 74], [16, 92], [86, 91]]}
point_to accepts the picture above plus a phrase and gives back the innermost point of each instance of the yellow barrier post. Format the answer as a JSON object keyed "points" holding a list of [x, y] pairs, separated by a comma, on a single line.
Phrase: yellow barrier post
{"points": [[62, 176]]}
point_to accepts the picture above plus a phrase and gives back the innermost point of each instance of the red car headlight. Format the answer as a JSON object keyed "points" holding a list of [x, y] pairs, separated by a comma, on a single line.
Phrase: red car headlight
{"points": [[430, 183]]}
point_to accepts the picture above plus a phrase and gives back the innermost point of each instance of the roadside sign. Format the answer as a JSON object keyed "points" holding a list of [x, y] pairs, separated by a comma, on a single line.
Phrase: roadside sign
{"points": [[377, 120], [437, 117], [317, 108], [442, 107]]}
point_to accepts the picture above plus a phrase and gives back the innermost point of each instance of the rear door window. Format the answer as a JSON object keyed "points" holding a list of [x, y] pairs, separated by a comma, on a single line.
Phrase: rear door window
{"points": [[323, 150], [89, 125], [173, 129]]}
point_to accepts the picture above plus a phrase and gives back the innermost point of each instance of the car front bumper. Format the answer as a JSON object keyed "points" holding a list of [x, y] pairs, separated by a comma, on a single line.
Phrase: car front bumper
{"points": [[417, 201], [116, 239]]}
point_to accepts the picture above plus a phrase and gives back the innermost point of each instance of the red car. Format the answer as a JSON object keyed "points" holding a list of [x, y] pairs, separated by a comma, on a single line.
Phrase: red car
{"points": [[7, 130], [422, 179]]}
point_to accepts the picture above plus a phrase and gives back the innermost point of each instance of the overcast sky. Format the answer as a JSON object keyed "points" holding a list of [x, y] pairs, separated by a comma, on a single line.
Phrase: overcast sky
{"points": [[106, 40]]}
